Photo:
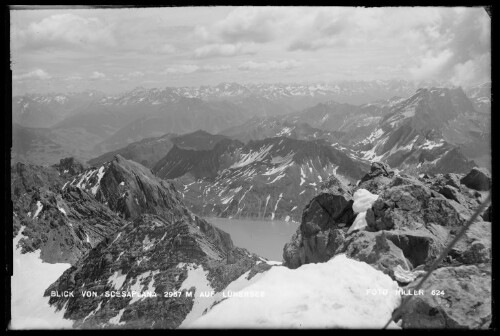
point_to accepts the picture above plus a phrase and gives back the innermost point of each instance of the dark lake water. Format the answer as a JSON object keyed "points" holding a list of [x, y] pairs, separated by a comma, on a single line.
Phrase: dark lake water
{"points": [[265, 238]]}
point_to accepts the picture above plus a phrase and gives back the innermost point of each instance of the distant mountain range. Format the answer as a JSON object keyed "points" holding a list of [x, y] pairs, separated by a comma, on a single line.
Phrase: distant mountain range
{"points": [[267, 167], [92, 126]]}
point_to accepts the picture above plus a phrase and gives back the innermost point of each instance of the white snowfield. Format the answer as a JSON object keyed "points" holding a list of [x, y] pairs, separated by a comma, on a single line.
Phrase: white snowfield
{"points": [[335, 294], [31, 277], [197, 278], [363, 200]]}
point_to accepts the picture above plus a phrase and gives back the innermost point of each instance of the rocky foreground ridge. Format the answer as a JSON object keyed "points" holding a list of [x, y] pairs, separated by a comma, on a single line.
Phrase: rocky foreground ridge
{"points": [[405, 229], [123, 230]]}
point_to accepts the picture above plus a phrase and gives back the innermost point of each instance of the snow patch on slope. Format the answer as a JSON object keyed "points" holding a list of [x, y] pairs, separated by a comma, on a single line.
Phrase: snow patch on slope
{"points": [[29, 308], [39, 208], [117, 279], [252, 157], [100, 174], [197, 278]]}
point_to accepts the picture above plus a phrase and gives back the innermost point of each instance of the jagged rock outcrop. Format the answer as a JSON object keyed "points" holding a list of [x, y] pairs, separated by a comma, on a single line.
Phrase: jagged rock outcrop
{"points": [[454, 297], [449, 186], [64, 223], [407, 202], [130, 189], [408, 226], [478, 179], [146, 259], [316, 237]]}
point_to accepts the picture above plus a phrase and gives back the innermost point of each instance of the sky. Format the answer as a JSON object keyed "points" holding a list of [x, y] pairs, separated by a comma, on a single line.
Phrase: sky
{"points": [[118, 49]]}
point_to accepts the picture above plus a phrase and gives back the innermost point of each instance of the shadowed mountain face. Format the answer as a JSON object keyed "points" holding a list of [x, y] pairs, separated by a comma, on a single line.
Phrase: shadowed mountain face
{"points": [[146, 152], [269, 178], [199, 163], [149, 151]]}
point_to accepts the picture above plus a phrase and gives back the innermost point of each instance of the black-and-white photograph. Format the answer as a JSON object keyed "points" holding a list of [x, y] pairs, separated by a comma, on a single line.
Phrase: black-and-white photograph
{"points": [[250, 167]]}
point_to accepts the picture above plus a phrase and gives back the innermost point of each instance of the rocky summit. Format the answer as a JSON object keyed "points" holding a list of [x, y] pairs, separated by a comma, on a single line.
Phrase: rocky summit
{"points": [[407, 224], [130, 239], [62, 222]]}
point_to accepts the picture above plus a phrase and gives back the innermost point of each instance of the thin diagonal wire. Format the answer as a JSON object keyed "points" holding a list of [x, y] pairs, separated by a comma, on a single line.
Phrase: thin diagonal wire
{"points": [[439, 259]]}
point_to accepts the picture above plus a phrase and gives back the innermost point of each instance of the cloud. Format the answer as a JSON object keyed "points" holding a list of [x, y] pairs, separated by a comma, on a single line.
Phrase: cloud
{"points": [[135, 74], [180, 69], [270, 65], [215, 68], [97, 75], [191, 68], [62, 30], [162, 49], [251, 24], [441, 43], [458, 50], [248, 24], [223, 50], [72, 78], [472, 72], [37, 74], [431, 65]]}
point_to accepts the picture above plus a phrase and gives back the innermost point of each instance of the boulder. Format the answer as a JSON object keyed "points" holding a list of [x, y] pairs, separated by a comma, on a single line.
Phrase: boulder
{"points": [[408, 203], [291, 251], [452, 193], [321, 247], [375, 249], [452, 180], [478, 179], [462, 299], [487, 214], [321, 232], [475, 246], [420, 247], [326, 211]]}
